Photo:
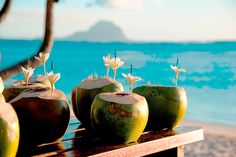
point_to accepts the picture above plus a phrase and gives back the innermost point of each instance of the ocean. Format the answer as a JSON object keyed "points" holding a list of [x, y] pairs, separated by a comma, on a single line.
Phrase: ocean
{"points": [[210, 80]]}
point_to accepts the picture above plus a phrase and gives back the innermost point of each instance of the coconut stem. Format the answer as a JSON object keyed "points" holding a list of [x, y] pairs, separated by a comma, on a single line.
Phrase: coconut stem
{"points": [[26, 81], [107, 71], [52, 87], [52, 66], [28, 63], [131, 69], [44, 68], [130, 87], [176, 79], [114, 73], [177, 62]]}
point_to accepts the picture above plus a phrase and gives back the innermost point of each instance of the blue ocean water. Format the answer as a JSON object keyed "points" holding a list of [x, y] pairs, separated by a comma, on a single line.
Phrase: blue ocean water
{"points": [[210, 80]]}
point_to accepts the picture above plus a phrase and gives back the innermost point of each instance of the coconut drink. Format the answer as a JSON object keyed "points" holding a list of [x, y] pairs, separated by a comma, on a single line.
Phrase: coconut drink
{"points": [[167, 104], [9, 128], [43, 114], [27, 83], [9, 131], [18, 87], [82, 96], [119, 117]]}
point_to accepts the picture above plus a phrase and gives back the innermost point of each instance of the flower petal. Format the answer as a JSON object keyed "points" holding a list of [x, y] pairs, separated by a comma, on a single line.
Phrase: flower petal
{"points": [[40, 54], [137, 79], [121, 63], [52, 78], [116, 63], [46, 56], [57, 77], [182, 70], [174, 67], [37, 58], [124, 75], [23, 69]]}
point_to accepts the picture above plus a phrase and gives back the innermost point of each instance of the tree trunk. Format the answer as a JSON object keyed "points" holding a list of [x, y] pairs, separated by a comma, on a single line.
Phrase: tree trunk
{"points": [[5, 9], [45, 47]]}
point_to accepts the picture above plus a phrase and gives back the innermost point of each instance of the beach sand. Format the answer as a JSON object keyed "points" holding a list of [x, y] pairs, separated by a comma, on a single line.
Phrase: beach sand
{"points": [[220, 140]]}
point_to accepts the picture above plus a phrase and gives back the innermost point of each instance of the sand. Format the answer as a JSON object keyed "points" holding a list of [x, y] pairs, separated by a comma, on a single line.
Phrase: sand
{"points": [[220, 141]]}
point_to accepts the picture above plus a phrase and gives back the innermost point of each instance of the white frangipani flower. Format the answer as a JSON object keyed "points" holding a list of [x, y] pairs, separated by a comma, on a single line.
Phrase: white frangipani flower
{"points": [[177, 71], [115, 63], [107, 61], [27, 73], [52, 78], [131, 78], [43, 57]]}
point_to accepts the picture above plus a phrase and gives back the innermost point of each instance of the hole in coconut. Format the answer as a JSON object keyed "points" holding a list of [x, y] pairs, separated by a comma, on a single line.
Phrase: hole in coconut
{"points": [[24, 84], [37, 89], [121, 94]]}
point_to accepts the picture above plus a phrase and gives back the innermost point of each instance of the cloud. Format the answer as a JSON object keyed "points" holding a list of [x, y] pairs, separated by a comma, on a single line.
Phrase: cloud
{"points": [[182, 78], [199, 79], [233, 70], [119, 4], [126, 5], [199, 62], [193, 62], [157, 2], [202, 62], [136, 58], [137, 5]]}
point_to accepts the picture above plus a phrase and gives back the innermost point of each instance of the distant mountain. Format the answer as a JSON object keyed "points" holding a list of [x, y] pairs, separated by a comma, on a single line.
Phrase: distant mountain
{"points": [[102, 31]]}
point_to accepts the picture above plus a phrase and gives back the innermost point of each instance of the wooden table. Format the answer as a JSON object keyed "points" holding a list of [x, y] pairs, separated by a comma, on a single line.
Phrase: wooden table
{"points": [[76, 142]]}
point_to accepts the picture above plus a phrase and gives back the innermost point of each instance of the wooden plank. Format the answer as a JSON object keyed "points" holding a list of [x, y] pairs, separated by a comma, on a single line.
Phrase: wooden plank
{"points": [[76, 142], [182, 136]]}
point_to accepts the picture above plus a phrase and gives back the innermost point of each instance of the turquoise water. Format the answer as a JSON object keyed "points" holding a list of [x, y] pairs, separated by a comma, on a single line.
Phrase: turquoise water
{"points": [[210, 80]]}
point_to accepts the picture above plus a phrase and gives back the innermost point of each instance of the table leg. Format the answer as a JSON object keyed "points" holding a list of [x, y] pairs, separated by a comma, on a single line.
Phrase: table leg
{"points": [[174, 152], [180, 151]]}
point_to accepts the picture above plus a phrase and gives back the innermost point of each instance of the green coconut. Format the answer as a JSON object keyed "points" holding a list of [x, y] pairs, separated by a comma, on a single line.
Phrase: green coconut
{"points": [[18, 87], [9, 131], [119, 117], [167, 105], [43, 115], [82, 96]]}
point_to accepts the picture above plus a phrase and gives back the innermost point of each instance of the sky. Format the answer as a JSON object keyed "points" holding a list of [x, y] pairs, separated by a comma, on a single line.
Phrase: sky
{"points": [[140, 20]]}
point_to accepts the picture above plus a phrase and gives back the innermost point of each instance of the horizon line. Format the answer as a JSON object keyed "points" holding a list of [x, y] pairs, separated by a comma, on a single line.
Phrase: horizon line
{"points": [[127, 41]]}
